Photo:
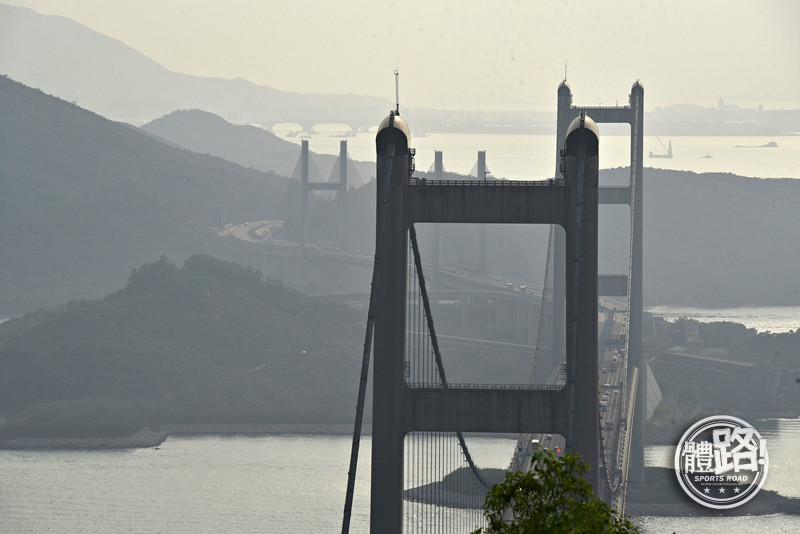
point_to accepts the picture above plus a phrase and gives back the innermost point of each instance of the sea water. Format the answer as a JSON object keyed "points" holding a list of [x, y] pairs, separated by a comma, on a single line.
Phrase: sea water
{"points": [[275, 484], [533, 157], [775, 319]]}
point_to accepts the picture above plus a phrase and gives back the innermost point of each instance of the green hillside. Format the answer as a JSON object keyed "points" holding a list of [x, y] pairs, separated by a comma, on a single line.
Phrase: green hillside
{"points": [[208, 342], [83, 200]]}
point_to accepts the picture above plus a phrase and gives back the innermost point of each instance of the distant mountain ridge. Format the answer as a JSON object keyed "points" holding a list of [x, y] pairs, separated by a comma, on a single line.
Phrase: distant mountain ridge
{"points": [[83, 200], [73, 62], [110, 78]]}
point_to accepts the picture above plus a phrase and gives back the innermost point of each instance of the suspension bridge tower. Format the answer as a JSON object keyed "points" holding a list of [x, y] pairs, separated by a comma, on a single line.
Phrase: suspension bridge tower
{"points": [[401, 407], [633, 115]]}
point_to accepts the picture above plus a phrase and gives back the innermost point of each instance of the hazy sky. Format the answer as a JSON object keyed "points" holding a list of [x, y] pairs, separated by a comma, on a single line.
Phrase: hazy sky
{"points": [[470, 53]]}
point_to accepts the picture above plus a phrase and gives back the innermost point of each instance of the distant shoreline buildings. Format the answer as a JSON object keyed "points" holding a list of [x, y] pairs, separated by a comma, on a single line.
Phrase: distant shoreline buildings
{"points": [[673, 120]]}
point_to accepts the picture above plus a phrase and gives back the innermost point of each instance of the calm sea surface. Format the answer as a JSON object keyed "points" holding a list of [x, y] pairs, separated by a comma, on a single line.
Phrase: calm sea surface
{"points": [[275, 484], [532, 157]]}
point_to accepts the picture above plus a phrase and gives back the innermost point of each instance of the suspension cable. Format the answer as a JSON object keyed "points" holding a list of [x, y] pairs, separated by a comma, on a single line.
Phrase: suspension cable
{"points": [[362, 386], [437, 354], [541, 308]]}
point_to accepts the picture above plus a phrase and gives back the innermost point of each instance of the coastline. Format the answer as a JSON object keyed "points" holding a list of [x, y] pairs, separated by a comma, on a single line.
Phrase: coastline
{"points": [[658, 501], [149, 437], [767, 502], [152, 437]]}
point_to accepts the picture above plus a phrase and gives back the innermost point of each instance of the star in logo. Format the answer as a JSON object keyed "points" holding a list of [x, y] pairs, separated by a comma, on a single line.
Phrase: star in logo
{"points": [[736, 490], [722, 490], [707, 490]]}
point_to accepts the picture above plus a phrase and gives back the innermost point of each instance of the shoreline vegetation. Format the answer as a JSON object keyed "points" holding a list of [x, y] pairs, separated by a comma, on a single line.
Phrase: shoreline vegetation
{"points": [[153, 437]]}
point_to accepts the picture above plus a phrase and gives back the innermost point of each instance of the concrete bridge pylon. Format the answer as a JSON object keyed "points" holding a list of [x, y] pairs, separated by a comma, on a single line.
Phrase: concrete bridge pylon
{"points": [[633, 115], [400, 407]]}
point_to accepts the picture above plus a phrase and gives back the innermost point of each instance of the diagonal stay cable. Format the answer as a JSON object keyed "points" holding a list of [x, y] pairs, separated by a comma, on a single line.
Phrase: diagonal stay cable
{"points": [[362, 386], [540, 328], [436, 353]]}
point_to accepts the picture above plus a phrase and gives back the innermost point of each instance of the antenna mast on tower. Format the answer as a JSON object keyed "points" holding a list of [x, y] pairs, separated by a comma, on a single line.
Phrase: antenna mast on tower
{"points": [[397, 91]]}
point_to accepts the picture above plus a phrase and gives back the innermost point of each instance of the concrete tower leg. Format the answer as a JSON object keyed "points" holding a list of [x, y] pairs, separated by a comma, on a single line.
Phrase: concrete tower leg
{"points": [[303, 192], [563, 120], [635, 343], [483, 263], [581, 166], [341, 194], [301, 267], [438, 174], [391, 251]]}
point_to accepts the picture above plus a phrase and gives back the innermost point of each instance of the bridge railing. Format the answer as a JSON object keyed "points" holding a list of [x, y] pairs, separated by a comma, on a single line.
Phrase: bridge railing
{"points": [[588, 108], [519, 387], [413, 181]]}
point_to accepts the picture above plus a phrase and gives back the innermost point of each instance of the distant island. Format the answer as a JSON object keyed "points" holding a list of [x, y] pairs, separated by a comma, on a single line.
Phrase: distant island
{"points": [[208, 343], [771, 144], [661, 496], [212, 347]]}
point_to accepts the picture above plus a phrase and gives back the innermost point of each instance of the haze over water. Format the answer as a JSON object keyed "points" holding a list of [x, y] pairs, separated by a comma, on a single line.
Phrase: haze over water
{"points": [[526, 157]]}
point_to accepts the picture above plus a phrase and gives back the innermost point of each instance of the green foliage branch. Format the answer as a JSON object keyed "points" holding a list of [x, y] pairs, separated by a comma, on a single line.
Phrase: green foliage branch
{"points": [[553, 497]]}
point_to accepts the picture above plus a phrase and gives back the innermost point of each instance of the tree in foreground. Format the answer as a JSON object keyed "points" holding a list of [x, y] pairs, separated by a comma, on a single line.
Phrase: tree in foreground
{"points": [[553, 497]]}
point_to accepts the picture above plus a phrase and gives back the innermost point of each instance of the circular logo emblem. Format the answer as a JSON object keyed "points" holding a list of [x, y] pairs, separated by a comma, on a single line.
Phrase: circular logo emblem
{"points": [[721, 462]]}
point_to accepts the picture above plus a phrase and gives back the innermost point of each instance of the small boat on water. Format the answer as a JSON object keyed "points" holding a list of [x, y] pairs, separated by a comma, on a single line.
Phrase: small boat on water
{"points": [[707, 156]]}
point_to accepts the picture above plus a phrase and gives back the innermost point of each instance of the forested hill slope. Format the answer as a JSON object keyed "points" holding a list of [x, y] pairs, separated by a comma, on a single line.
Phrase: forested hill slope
{"points": [[719, 240], [83, 200], [206, 133], [208, 342]]}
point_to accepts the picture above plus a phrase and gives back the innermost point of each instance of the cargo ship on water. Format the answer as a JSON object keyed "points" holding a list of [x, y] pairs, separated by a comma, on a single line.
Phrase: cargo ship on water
{"points": [[668, 149]]}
